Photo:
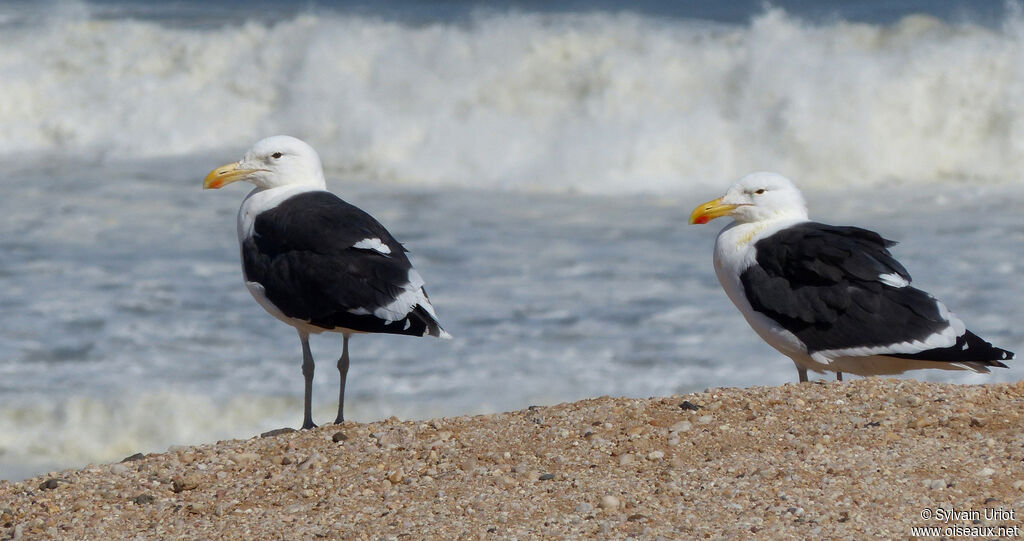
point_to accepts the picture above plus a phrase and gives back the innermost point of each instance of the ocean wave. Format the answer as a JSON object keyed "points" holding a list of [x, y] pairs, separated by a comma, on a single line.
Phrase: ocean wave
{"points": [[596, 102], [47, 434], [80, 430]]}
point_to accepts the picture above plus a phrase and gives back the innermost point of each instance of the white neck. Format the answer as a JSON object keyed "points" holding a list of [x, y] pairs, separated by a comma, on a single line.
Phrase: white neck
{"points": [[734, 246]]}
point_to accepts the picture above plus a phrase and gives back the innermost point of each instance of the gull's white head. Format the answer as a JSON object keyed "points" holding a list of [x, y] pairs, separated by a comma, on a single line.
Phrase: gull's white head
{"points": [[280, 160], [757, 197]]}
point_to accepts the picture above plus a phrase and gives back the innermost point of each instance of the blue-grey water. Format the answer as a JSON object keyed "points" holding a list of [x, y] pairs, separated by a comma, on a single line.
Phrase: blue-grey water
{"points": [[538, 159]]}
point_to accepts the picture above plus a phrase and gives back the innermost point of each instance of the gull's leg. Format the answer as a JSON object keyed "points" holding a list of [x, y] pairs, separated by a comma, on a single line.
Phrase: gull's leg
{"points": [[803, 374], [343, 371], [307, 373], [839, 376]]}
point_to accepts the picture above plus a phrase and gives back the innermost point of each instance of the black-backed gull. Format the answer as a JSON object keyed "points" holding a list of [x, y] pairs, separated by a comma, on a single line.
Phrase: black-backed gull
{"points": [[316, 262], [830, 298]]}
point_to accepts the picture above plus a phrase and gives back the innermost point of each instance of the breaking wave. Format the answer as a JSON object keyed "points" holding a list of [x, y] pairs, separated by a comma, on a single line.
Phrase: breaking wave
{"points": [[598, 102]]}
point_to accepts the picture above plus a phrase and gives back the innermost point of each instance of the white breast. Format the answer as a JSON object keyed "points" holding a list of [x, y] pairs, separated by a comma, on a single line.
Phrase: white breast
{"points": [[734, 253]]}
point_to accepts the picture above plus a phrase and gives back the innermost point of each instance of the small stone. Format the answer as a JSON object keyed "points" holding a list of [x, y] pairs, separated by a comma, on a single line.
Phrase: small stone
{"points": [[313, 460], [245, 458], [1018, 485], [277, 432], [199, 508], [286, 460], [188, 482], [681, 426], [919, 422], [655, 455], [396, 476], [119, 469], [977, 421], [584, 508], [136, 456], [986, 472], [911, 401], [143, 499], [609, 502], [627, 458], [339, 436], [49, 484], [546, 477], [934, 484], [636, 517], [689, 406], [705, 419]]}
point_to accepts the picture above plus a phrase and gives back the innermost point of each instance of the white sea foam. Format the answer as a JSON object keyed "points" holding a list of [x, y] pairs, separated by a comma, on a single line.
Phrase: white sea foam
{"points": [[597, 102], [62, 433]]}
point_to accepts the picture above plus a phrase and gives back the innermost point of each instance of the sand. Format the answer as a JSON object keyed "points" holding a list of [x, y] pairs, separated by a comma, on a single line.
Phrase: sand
{"points": [[866, 458]]}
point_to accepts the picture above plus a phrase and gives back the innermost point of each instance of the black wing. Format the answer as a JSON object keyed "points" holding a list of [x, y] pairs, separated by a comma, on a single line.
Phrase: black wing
{"points": [[839, 288], [303, 252]]}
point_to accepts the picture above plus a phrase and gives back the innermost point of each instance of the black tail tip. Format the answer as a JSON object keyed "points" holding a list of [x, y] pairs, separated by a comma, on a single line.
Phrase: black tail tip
{"points": [[1003, 356]]}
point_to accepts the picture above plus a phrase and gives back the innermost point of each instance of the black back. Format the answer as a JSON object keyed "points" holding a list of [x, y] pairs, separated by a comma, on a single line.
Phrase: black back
{"points": [[822, 283], [302, 252]]}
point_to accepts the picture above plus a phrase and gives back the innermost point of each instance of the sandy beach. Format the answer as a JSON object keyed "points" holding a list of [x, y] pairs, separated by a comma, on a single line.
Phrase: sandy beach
{"points": [[872, 457]]}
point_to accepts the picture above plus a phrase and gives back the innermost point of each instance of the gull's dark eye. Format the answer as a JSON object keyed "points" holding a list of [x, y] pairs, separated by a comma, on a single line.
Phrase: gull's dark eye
{"points": [[277, 155], [759, 192]]}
